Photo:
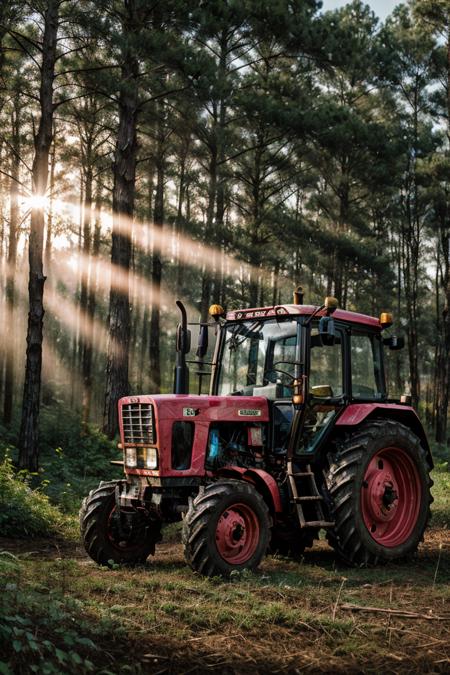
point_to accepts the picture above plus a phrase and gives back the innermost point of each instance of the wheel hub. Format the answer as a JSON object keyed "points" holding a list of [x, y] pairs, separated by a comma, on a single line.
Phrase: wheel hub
{"points": [[237, 534], [231, 530], [381, 494], [390, 496]]}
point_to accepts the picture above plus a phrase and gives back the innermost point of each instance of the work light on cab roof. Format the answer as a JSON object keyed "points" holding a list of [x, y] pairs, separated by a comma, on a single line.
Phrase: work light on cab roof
{"points": [[296, 433]]}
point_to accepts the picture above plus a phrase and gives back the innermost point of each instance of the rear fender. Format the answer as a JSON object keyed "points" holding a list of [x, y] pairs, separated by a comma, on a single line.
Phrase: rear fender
{"points": [[357, 413], [263, 481]]}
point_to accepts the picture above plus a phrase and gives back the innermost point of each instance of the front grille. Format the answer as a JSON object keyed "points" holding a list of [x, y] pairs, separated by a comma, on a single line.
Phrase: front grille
{"points": [[138, 424]]}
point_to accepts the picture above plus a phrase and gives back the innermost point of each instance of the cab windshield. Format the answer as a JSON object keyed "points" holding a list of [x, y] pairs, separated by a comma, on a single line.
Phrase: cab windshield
{"points": [[254, 354]]}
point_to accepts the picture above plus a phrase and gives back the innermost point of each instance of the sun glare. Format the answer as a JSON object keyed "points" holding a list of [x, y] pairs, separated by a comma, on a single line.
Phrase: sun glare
{"points": [[36, 202]]}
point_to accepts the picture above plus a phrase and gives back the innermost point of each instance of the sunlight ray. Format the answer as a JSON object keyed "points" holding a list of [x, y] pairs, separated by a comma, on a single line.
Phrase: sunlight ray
{"points": [[172, 244]]}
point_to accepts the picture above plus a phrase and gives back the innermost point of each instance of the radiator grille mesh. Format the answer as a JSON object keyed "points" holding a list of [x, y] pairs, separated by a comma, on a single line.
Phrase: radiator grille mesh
{"points": [[138, 423]]}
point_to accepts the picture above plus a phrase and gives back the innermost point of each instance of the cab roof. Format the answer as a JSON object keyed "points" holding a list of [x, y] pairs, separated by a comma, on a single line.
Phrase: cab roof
{"points": [[301, 310]]}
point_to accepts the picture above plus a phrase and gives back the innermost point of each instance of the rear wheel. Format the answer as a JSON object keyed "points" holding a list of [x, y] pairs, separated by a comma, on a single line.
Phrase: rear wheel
{"points": [[380, 486], [112, 536], [226, 529]]}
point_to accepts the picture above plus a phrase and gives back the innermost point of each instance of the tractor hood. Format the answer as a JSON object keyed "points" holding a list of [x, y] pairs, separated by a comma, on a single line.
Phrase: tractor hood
{"points": [[152, 422]]}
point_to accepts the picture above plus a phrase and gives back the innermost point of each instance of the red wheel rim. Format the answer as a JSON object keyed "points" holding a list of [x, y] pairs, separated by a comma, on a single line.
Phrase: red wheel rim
{"points": [[391, 494], [237, 534]]}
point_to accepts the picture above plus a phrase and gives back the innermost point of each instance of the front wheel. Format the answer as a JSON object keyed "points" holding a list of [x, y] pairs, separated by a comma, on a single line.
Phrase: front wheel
{"points": [[226, 529], [379, 483], [111, 536]]}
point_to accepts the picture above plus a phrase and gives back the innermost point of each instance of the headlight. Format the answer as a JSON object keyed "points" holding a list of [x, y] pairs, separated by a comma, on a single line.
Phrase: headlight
{"points": [[130, 457], [141, 458], [151, 458]]}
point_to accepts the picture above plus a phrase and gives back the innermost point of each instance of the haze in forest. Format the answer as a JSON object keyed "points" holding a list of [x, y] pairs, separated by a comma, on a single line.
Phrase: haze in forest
{"points": [[217, 153]]}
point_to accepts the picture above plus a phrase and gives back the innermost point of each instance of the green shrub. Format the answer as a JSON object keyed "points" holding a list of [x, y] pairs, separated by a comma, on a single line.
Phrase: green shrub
{"points": [[74, 457], [25, 512], [441, 493], [37, 634], [441, 455]]}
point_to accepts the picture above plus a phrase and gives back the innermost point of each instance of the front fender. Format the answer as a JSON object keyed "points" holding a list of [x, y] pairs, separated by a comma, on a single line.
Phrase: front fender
{"points": [[263, 481]]}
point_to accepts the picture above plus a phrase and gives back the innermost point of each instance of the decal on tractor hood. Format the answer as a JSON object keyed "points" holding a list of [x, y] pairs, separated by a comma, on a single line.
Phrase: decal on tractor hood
{"points": [[249, 412], [190, 412]]}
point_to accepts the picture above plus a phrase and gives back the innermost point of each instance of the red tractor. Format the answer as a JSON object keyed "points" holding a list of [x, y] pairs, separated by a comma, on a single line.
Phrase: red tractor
{"points": [[296, 435]]}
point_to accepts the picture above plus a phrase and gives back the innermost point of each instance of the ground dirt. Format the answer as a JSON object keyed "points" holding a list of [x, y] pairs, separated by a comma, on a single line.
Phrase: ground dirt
{"points": [[289, 617]]}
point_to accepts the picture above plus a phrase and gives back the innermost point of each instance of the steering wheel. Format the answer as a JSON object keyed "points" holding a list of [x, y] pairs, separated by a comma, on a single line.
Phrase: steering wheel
{"points": [[279, 371]]}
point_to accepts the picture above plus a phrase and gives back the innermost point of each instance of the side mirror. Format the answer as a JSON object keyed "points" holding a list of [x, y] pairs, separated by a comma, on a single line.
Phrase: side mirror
{"points": [[202, 346], [394, 342], [327, 331], [183, 343]]}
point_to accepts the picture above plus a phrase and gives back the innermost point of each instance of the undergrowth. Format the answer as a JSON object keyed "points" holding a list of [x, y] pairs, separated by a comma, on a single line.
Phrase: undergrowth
{"points": [[38, 634], [440, 509], [27, 512], [74, 457]]}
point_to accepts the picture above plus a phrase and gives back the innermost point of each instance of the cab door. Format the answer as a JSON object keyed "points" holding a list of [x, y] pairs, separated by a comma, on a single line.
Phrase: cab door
{"points": [[327, 385]]}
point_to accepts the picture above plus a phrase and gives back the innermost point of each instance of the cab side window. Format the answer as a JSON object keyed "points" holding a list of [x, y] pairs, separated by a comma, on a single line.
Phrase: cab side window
{"points": [[366, 366], [326, 364]]}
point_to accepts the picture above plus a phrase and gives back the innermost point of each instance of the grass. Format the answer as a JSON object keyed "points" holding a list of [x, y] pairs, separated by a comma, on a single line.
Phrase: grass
{"points": [[59, 612], [441, 494], [162, 618], [283, 617]]}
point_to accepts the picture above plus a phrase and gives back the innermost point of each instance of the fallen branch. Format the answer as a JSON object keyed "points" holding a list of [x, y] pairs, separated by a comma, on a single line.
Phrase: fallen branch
{"points": [[394, 612]]}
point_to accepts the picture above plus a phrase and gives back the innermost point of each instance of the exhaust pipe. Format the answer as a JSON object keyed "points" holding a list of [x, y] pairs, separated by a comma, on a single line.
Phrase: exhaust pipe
{"points": [[298, 295], [183, 346]]}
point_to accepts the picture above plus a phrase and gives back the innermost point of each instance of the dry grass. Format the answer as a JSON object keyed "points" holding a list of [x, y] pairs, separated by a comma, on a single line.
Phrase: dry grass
{"points": [[287, 618]]}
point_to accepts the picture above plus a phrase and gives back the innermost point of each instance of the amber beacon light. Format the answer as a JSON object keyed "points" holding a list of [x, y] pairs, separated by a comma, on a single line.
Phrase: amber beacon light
{"points": [[386, 319]]}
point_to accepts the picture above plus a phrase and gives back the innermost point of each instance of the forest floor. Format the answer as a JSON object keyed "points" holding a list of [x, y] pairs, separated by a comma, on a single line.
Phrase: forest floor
{"points": [[289, 617]]}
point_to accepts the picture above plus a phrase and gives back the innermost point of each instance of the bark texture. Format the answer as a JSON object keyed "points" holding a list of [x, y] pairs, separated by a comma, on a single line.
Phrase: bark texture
{"points": [[117, 384], [28, 439]]}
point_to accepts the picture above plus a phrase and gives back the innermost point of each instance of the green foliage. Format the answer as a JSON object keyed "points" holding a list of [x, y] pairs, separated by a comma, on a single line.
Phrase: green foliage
{"points": [[74, 457], [25, 512], [441, 455], [441, 494], [34, 636]]}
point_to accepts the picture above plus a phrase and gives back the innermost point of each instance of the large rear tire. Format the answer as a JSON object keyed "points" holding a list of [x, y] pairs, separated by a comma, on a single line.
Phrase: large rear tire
{"points": [[226, 528], [110, 537], [380, 484]]}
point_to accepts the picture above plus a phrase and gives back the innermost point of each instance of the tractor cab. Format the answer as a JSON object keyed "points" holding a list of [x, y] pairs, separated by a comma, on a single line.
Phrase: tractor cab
{"points": [[296, 356]]}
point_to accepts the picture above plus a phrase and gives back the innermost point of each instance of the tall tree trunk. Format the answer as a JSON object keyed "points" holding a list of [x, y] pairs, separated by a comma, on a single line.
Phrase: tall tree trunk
{"points": [[443, 370], [210, 230], [86, 250], [158, 221], [117, 384], [255, 234], [179, 223], [411, 249], [12, 258], [28, 439], [91, 301], [49, 236], [344, 208], [443, 383], [79, 277]]}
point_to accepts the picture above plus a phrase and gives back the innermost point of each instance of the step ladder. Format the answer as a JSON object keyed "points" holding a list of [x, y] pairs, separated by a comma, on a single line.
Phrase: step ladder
{"points": [[304, 492]]}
